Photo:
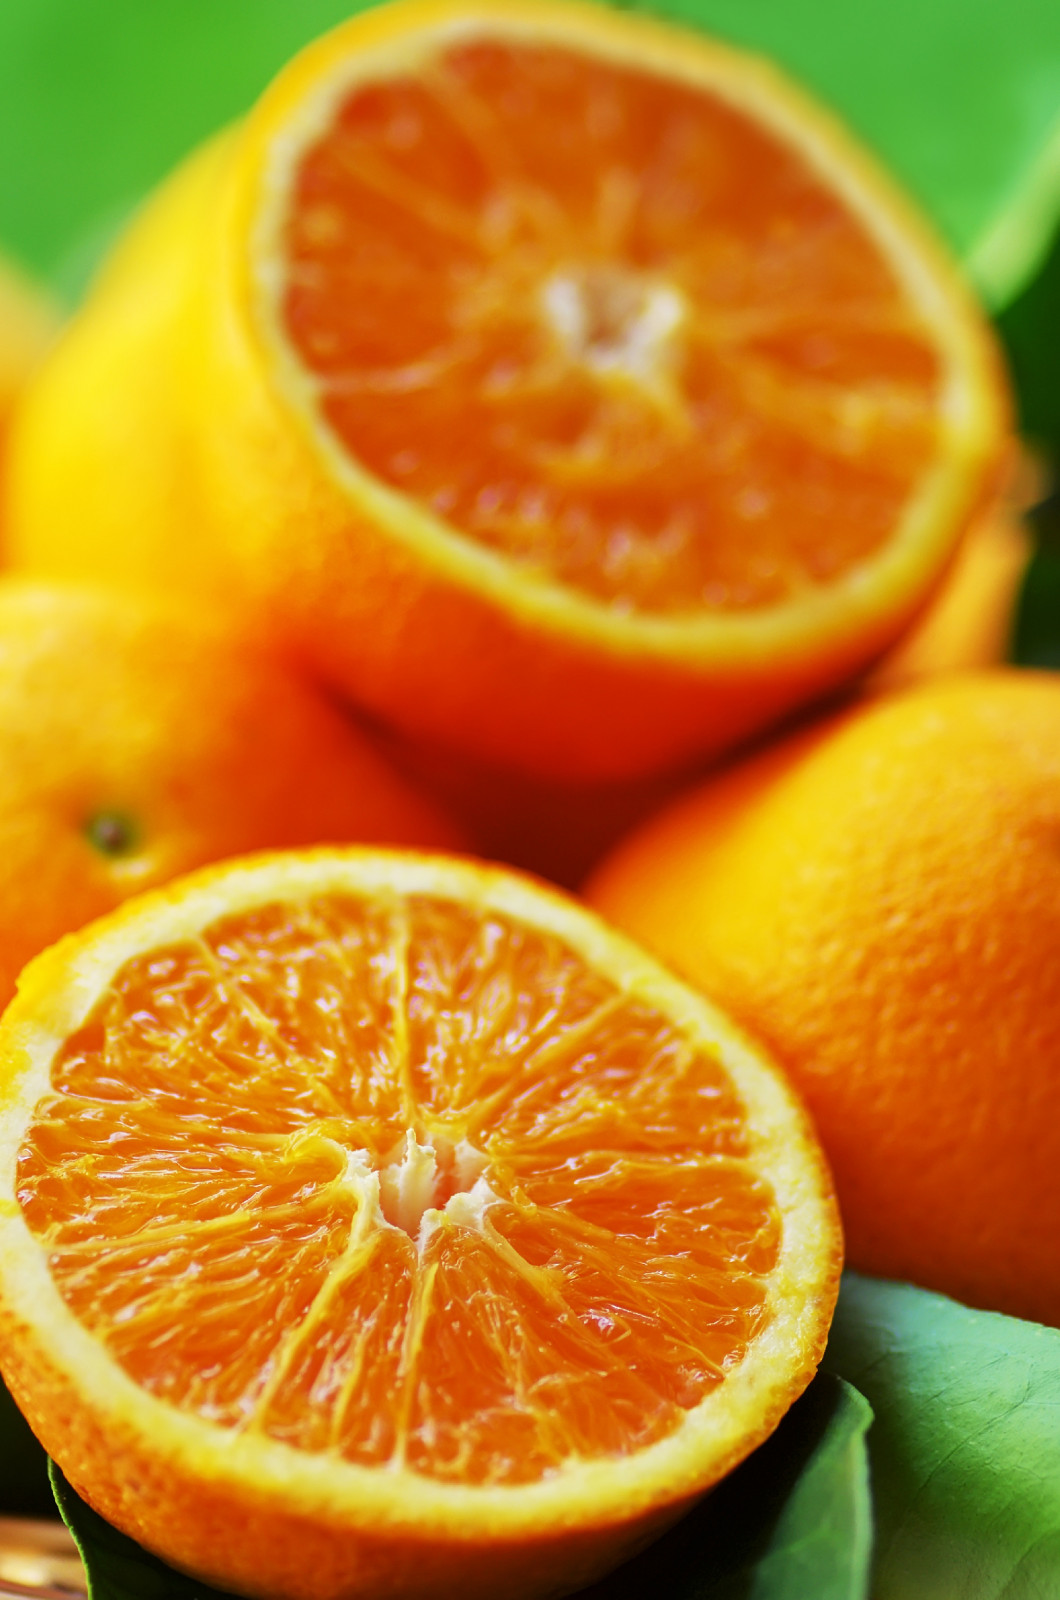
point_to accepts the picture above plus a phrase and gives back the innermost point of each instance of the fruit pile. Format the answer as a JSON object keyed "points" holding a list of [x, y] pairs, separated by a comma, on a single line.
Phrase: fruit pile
{"points": [[535, 435]]}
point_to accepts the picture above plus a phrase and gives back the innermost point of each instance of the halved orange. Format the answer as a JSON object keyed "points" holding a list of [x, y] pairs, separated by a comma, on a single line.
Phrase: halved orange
{"points": [[387, 1224], [567, 388]]}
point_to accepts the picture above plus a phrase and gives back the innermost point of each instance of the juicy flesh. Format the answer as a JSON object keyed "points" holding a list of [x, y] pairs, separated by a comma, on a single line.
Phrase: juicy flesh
{"points": [[606, 325], [405, 1183]]}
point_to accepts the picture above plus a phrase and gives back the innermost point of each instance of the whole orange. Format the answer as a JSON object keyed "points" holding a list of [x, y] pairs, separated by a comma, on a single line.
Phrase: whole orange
{"points": [[879, 899], [135, 745]]}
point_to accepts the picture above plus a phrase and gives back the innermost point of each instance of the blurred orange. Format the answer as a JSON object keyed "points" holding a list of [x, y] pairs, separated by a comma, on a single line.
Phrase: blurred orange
{"points": [[28, 321], [969, 622], [508, 446], [135, 745]]}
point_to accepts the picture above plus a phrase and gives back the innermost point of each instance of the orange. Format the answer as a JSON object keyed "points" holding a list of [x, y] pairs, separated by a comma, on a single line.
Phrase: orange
{"points": [[387, 1224], [135, 745], [878, 897], [101, 491], [568, 389], [563, 831], [27, 325], [969, 622]]}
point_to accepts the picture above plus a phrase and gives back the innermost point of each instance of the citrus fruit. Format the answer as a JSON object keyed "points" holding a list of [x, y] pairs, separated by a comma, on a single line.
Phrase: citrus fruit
{"points": [[101, 492], [878, 897], [27, 324], [387, 1224], [970, 620], [568, 389], [135, 745]]}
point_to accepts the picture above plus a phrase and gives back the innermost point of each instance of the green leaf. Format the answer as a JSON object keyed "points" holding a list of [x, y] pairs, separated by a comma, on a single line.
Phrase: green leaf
{"points": [[99, 98], [793, 1521], [965, 1450], [117, 1568], [24, 1490]]}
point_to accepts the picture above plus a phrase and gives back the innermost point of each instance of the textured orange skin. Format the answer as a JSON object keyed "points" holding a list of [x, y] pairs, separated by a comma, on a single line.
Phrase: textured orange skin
{"points": [[208, 747], [229, 496], [879, 899]]}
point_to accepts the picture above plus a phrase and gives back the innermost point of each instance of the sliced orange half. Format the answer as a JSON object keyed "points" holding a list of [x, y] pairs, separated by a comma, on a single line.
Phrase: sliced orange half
{"points": [[638, 394], [567, 388], [380, 1224]]}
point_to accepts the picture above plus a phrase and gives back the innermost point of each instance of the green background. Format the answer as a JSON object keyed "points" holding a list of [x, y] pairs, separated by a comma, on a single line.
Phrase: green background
{"points": [[98, 98]]}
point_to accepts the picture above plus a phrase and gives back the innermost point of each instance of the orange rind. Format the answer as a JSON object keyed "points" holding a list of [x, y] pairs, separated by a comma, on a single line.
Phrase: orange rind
{"points": [[379, 1223]]}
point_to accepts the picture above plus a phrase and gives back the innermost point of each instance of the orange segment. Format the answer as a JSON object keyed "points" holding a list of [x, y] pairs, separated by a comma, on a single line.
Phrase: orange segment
{"points": [[605, 323], [414, 1170]]}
